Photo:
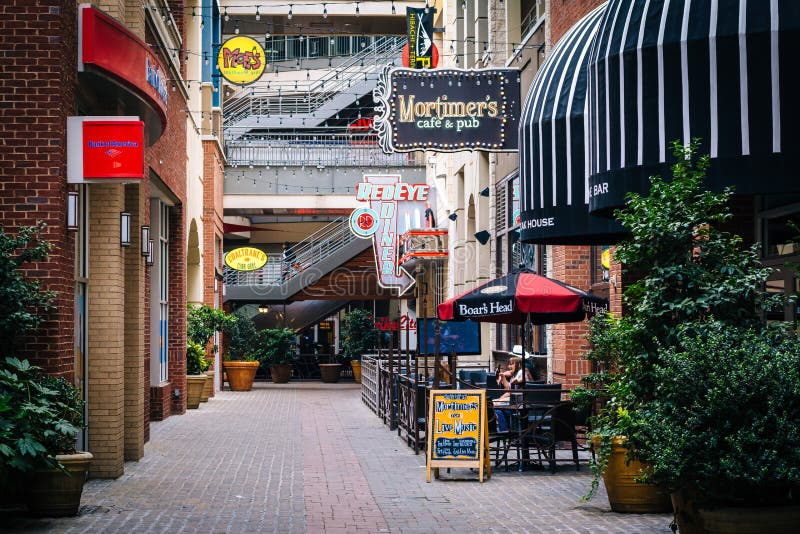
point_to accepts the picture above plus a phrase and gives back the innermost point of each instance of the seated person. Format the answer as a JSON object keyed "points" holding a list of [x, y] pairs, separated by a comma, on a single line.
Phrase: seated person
{"points": [[508, 379], [513, 375]]}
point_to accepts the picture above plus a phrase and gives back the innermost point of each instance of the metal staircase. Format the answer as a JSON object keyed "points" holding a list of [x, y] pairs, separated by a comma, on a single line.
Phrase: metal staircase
{"points": [[317, 255], [310, 104]]}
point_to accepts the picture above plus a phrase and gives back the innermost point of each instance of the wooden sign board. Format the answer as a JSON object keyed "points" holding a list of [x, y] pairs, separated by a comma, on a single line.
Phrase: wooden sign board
{"points": [[458, 432]]}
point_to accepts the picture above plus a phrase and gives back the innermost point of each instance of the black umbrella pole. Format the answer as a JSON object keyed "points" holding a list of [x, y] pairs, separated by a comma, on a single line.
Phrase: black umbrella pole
{"points": [[526, 348]]}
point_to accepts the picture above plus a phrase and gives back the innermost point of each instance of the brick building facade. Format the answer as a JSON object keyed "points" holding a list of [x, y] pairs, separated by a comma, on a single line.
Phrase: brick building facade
{"points": [[101, 332]]}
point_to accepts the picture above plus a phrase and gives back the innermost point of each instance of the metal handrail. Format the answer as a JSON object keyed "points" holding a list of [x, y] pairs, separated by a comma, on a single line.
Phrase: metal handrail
{"points": [[318, 149], [314, 248], [308, 97]]}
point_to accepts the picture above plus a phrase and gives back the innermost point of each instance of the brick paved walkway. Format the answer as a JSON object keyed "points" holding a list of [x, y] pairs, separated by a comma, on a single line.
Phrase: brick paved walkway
{"points": [[310, 457]]}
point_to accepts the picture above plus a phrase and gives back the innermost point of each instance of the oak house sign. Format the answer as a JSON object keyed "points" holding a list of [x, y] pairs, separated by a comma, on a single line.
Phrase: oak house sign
{"points": [[447, 110]]}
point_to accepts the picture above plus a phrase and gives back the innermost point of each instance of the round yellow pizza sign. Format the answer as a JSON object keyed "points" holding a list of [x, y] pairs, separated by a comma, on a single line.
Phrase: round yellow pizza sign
{"points": [[245, 259], [241, 60]]}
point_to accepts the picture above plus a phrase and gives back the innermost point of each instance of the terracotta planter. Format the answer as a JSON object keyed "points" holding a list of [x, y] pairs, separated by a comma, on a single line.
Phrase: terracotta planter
{"points": [[356, 366], [624, 493], [240, 374], [194, 390], [53, 493], [280, 373], [208, 389], [329, 372], [769, 519]]}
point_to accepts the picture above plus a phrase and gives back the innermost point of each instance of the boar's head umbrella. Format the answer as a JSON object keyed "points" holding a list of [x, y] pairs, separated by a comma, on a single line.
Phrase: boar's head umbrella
{"points": [[523, 297]]}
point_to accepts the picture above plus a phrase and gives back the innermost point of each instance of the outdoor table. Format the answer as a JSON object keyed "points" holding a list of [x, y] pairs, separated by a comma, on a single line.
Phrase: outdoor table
{"points": [[519, 415]]}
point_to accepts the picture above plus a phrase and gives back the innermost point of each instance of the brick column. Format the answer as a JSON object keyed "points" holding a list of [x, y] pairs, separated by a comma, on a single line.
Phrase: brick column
{"points": [[177, 308], [135, 325], [106, 331]]}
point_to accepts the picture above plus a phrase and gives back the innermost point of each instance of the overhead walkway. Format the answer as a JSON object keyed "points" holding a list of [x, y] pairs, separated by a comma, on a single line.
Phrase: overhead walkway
{"points": [[306, 105], [318, 255]]}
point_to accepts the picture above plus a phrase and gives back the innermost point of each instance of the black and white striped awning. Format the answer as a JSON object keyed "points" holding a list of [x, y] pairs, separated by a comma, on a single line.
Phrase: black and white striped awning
{"points": [[723, 71], [553, 147]]}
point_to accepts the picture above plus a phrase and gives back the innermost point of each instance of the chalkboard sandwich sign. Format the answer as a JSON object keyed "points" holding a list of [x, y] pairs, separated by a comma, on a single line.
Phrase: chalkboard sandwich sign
{"points": [[458, 432]]}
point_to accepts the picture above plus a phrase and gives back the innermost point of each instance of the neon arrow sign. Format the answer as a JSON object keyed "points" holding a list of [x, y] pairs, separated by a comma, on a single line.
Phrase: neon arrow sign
{"points": [[386, 195]]}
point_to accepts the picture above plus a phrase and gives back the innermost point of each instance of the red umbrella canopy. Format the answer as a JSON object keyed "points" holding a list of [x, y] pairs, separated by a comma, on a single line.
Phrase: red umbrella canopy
{"points": [[510, 298]]}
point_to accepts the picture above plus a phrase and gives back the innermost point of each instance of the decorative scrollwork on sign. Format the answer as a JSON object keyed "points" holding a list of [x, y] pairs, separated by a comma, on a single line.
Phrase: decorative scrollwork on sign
{"points": [[383, 111]]}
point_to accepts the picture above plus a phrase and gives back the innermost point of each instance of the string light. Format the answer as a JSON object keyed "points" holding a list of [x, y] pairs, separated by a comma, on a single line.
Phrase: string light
{"points": [[324, 11], [289, 16], [394, 10], [226, 16], [258, 15], [358, 11]]}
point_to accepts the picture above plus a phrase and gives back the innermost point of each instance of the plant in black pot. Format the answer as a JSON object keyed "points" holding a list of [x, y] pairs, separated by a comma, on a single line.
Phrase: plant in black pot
{"points": [[277, 349], [693, 343], [358, 335]]}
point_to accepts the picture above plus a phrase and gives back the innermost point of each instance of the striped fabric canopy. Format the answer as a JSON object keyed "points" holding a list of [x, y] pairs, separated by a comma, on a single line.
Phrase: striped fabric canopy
{"points": [[719, 70], [554, 150]]}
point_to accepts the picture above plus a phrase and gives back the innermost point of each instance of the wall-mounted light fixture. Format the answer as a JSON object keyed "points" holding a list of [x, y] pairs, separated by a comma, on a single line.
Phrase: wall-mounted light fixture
{"points": [[145, 239], [125, 229], [149, 260], [453, 216], [73, 203], [485, 191], [263, 308], [483, 237]]}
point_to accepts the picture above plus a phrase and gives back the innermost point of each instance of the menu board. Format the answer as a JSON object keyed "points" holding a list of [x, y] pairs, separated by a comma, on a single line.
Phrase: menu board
{"points": [[457, 431]]}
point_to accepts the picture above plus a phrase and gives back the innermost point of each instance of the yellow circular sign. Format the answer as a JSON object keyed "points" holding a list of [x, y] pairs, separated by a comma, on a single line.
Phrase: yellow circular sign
{"points": [[241, 60], [245, 259]]}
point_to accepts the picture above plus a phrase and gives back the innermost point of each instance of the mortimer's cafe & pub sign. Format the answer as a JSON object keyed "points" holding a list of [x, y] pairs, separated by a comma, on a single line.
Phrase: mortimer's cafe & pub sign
{"points": [[447, 110]]}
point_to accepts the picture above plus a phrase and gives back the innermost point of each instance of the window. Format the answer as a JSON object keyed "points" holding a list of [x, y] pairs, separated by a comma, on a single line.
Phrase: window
{"points": [[159, 299], [600, 263]]}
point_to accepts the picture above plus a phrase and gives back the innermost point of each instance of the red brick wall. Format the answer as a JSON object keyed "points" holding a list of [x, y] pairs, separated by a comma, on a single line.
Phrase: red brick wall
{"points": [[37, 93], [565, 13], [571, 264], [177, 308]]}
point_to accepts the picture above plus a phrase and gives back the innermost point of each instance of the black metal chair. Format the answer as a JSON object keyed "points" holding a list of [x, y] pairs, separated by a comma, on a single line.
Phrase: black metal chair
{"points": [[548, 429]]}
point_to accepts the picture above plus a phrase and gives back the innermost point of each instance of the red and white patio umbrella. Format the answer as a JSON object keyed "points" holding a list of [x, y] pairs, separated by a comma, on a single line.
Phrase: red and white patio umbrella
{"points": [[523, 296]]}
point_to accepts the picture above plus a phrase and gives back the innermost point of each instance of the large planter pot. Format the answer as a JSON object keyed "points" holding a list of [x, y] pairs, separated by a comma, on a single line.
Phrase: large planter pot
{"points": [[356, 366], [755, 520], [329, 372], [194, 390], [208, 389], [53, 493], [241, 374], [280, 373], [624, 493]]}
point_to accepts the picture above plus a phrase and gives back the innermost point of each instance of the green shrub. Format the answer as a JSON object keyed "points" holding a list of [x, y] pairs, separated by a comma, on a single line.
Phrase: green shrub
{"points": [[276, 346], [196, 363], [358, 334], [242, 338], [40, 417], [725, 419], [203, 321]]}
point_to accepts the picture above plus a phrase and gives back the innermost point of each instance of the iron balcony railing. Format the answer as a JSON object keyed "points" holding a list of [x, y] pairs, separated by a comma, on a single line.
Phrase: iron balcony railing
{"points": [[307, 98], [314, 248], [321, 150], [533, 16]]}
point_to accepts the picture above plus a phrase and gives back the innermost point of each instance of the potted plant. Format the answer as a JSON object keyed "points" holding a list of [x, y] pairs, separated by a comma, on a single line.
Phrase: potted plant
{"points": [[201, 323], [603, 394], [40, 417], [358, 335], [196, 378], [240, 361], [682, 397], [276, 350]]}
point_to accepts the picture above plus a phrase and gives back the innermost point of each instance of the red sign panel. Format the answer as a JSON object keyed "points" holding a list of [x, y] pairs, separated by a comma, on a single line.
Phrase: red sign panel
{"points": [[113, 149], [108, 46]]}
